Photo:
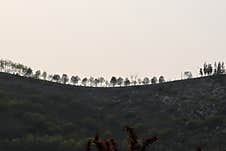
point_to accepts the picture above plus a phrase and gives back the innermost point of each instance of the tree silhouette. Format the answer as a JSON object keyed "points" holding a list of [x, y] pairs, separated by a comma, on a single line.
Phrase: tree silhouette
{"points": [[29, 72], [161, 79], [91, 81], [205, 69], [101, 81], [201, 72], [127, 82], [56, 77], [135, 144], [44, 75], [113, 81], [37, 74], [64, 78], [209, 69], [154, 80], [120, 81], [139, 81], [96, 82], [146, 81], [84, 81], [75, 80]]}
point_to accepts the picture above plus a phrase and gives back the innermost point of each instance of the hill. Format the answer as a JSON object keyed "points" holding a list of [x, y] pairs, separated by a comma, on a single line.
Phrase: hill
{"points": [[43, 116]]}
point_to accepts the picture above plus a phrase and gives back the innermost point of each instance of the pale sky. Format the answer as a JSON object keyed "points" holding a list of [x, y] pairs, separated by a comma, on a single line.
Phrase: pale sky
{"points": [[113, 37]]}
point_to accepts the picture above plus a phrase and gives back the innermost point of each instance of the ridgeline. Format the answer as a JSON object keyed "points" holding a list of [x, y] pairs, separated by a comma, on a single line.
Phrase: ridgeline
{"points": [[40, 115]]}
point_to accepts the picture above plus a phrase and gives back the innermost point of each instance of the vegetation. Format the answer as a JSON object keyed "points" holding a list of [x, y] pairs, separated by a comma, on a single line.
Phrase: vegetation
{"points": [[43, 116], [8, 66]]}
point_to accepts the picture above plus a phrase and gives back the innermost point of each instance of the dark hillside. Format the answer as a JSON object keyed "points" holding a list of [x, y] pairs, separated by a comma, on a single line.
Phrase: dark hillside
{"points": [[43, 116]]}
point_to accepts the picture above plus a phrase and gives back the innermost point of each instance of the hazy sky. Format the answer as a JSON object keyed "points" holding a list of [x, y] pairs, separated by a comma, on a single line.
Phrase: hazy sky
{"points": [[113, 37]]}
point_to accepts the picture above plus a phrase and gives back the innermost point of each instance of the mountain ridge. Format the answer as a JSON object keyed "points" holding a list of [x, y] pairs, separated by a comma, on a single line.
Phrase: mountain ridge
{"points": [[184, 114]]}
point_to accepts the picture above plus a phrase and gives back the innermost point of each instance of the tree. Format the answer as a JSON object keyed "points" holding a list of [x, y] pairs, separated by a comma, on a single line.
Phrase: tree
{"points": [[161, 79], [44, 75], [96, 82], [56, 77], [188, 74], [146, 81], [84, 81], [91, 81], [113, 81], [127, 82], [29, 72], [139, 81], [215, 68], [201, 72], [107, 83], [205, 68], [37, 74], [209, 69], [154, 80], [219, 68], [75, 80], [2, 65], [101, 80], [133, 79], [64, 78], [120, 81]]}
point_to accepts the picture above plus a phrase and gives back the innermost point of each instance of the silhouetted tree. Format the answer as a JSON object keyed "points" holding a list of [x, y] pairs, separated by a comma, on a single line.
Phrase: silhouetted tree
{"points": [[215, 68], [37, 74], [75, 80], [205, 69], [146, 81], [120, 81], [84, 81], [44, 75], [209, 69], [188, 74], [219, 69], [96, 82], [29, 72], [113, 81], [91, 81], [56, 77], [154, 80], [201, 72], [101, 80], [135, 144], [2, 65], [161, 79], [133, 80], [64, 78], [139, 81], [127, 82], [107, 83]]}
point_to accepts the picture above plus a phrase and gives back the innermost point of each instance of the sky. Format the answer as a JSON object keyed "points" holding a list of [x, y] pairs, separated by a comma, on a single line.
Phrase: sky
{"points": [[114, 37]]}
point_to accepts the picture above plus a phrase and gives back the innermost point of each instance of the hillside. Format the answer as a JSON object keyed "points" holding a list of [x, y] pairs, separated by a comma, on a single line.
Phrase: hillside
{"points": [[43, 116]]}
